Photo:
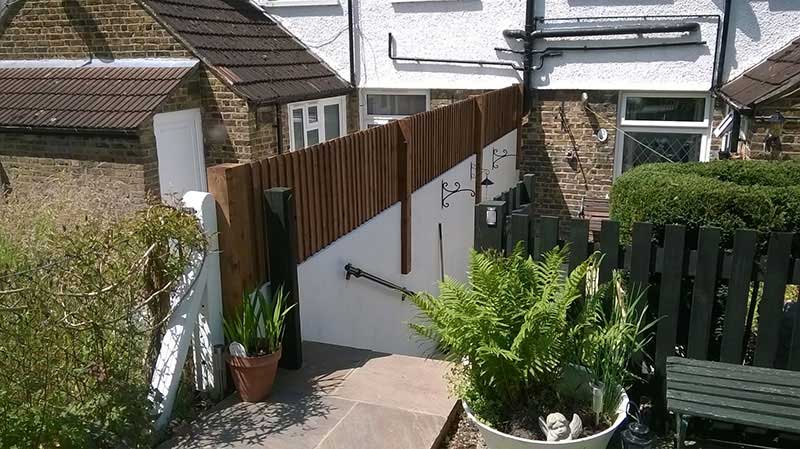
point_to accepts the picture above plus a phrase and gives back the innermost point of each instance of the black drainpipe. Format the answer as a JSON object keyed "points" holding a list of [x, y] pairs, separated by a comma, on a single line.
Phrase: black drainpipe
{"points": [[351, 32], [733, 140], [527, 73]]}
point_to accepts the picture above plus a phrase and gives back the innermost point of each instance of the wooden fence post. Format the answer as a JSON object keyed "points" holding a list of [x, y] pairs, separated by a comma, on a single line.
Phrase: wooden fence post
{"points": [[490, 222], [405, 189], [231, 186], [479, 133], [280, 226]]}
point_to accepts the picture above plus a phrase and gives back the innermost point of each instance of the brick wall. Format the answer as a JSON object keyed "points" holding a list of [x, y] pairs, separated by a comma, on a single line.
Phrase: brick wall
{"points": [[76, 29], [561, 184], [226, 122], [33, 158], [790, 139]]}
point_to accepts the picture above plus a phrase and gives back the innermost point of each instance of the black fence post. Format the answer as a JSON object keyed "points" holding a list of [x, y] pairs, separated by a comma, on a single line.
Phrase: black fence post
{"points": [[281, 234], [490, 221]]}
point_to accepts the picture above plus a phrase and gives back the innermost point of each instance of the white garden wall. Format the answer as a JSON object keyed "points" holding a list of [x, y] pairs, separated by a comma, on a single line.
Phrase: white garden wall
{"points": [[362, 314], [470, 29]]}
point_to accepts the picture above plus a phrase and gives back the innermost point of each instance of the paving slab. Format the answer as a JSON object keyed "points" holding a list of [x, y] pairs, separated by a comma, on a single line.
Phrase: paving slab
{"points": [[377, 427], [408, 383], [341, 398], [295, 422]]}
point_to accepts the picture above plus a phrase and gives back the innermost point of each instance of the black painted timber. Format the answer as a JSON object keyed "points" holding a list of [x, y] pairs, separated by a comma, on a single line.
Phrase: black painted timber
{"points": [[548, 238], [771, 308], [609, 248], [705, 284], [744, 251], [669, 294]]}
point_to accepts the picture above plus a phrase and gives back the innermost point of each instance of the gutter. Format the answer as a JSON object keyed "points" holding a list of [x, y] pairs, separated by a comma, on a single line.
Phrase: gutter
{"points": [[131, 133]]}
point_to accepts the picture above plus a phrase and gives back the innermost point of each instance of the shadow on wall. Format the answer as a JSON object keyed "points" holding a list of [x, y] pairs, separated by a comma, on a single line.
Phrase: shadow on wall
{"points": [[87, 28], [5, 182], [746, 22]]}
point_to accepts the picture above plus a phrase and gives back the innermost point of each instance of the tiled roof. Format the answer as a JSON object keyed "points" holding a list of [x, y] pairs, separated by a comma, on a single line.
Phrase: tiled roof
{"points": [[767, 79], [258, 58], [118, 98]]}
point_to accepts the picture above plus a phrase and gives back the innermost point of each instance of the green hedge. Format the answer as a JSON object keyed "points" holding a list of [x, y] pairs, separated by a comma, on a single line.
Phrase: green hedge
{"points": [[759, 195]]}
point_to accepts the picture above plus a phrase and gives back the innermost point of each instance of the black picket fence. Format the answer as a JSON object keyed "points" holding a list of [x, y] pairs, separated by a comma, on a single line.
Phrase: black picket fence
{"points": [[705, 295]]}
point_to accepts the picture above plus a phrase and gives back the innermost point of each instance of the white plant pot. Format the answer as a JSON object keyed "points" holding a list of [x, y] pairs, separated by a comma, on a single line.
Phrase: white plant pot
{"points": [[499, 440]]}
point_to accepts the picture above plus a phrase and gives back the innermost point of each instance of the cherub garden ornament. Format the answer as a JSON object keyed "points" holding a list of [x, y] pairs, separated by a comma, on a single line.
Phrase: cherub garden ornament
{"points": [[557, 428]]}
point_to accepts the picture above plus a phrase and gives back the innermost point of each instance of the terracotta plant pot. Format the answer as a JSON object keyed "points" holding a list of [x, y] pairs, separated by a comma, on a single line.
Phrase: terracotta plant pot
{"points": [[254, 376]]}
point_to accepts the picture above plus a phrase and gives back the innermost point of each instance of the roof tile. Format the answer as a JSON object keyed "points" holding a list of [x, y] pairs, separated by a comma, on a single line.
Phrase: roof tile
{"points": [[250, 50], [84, 97]]}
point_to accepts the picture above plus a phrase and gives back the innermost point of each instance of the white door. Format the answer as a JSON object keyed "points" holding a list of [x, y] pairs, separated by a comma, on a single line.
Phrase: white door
{"points": [[179, 144]]}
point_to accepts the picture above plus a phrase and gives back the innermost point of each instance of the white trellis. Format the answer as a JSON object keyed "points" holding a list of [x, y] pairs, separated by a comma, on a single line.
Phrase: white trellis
{"points": [[196, 317]]}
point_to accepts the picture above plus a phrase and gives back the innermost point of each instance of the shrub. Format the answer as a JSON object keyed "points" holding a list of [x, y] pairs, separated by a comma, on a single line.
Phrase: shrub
{"points": [[760, 195], [83, 292], [518, 325]]}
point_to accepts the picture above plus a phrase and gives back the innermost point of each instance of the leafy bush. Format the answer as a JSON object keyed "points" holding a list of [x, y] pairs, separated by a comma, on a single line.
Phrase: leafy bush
{"points": [[732, 194], [84, 294], [518, 326]]}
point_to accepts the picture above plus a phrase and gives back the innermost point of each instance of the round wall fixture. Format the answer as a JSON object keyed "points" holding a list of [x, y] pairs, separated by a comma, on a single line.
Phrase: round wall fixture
{"points": [[602, 135]]}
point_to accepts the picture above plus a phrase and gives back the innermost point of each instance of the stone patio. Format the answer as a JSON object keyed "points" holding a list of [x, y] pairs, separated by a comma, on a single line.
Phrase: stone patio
{"points": [[342, 398]]}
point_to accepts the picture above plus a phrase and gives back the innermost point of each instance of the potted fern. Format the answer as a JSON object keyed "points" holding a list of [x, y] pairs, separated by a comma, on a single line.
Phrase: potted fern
{"points": [[533, 347], [254, 336]]}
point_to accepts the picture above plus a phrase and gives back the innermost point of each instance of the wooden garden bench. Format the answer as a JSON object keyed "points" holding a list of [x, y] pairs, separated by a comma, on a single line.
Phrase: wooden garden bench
{"points": [[737, 394], [595, 210]]}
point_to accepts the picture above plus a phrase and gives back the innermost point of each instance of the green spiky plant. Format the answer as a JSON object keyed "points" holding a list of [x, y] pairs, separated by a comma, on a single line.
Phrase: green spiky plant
{"points": [[513, 330], [259, 323]]}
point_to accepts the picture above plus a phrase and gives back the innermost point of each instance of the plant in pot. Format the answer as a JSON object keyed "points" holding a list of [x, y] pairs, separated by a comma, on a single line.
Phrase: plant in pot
{"points": [[254, 335], [533, 347]]}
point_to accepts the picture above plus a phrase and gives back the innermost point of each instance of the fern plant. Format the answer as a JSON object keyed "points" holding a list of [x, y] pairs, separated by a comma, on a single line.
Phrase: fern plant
{"points": [[517, 325]]}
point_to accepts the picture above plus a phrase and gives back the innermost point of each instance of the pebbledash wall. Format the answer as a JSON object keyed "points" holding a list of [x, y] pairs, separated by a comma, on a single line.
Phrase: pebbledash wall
{"points": [[371, 247], [233, 130], [472, 29]]}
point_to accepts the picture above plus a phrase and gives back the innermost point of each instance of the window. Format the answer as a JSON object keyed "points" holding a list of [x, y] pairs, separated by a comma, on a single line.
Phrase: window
{"points": [[381, 107], [662, 127], [316, 121]]}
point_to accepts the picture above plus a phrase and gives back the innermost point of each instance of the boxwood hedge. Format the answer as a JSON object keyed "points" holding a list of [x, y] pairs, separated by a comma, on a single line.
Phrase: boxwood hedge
{"points": [[760, 195]]}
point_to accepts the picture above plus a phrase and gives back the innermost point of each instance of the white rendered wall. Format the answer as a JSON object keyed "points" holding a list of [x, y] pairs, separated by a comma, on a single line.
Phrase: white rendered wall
{"points": [[505, 176], [470, 29], [362, 314]]}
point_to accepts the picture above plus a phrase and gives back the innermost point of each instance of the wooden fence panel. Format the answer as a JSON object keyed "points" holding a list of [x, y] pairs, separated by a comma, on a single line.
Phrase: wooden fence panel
{"points": [[769, 316], [705, 289], [502, 112], [744, 252]]}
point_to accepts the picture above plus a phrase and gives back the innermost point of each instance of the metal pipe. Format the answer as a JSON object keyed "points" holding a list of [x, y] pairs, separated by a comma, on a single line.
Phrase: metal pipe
{"points": [[723, 44], [350, 270], [615, 30], [527, 61], [603, 47], [394, 57], [643, 17], [350, 29]]}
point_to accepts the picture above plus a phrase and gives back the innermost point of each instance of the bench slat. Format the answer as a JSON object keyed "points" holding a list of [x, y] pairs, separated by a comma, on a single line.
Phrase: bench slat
{"points": [[734, 393], [734, 416], [768, 411], [731, 371], [734, 385]]}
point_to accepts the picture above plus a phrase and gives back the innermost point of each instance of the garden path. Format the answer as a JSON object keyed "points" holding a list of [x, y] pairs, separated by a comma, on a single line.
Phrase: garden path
{"points": [[342, 398]]}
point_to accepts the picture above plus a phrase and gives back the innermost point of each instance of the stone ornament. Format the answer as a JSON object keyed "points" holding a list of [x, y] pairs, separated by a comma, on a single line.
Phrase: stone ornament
{"points": [[237, 349], [557, 428]]}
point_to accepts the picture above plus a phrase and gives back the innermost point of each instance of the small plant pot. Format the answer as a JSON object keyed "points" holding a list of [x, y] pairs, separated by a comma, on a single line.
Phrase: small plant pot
{"points": [[254, 376], [499, 440]]}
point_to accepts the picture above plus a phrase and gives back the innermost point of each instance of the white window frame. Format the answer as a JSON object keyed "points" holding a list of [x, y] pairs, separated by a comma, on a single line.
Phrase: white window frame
{"points": [[655, 126], [320, 125], [367, 119]]}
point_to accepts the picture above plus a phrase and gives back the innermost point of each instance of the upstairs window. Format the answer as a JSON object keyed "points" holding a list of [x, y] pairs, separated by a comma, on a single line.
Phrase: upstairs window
{"points": [[316, 121], [662, 127]]}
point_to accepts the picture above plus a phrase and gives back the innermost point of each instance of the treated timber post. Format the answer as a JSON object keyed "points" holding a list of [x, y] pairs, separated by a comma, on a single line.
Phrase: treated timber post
{"points": [[231, 186], [479, 136], [490, 235], [280, 225], [405, 189]]}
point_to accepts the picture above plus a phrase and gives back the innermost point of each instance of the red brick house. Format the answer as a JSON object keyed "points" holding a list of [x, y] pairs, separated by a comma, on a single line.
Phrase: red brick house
{"points": [[149, 92]]}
